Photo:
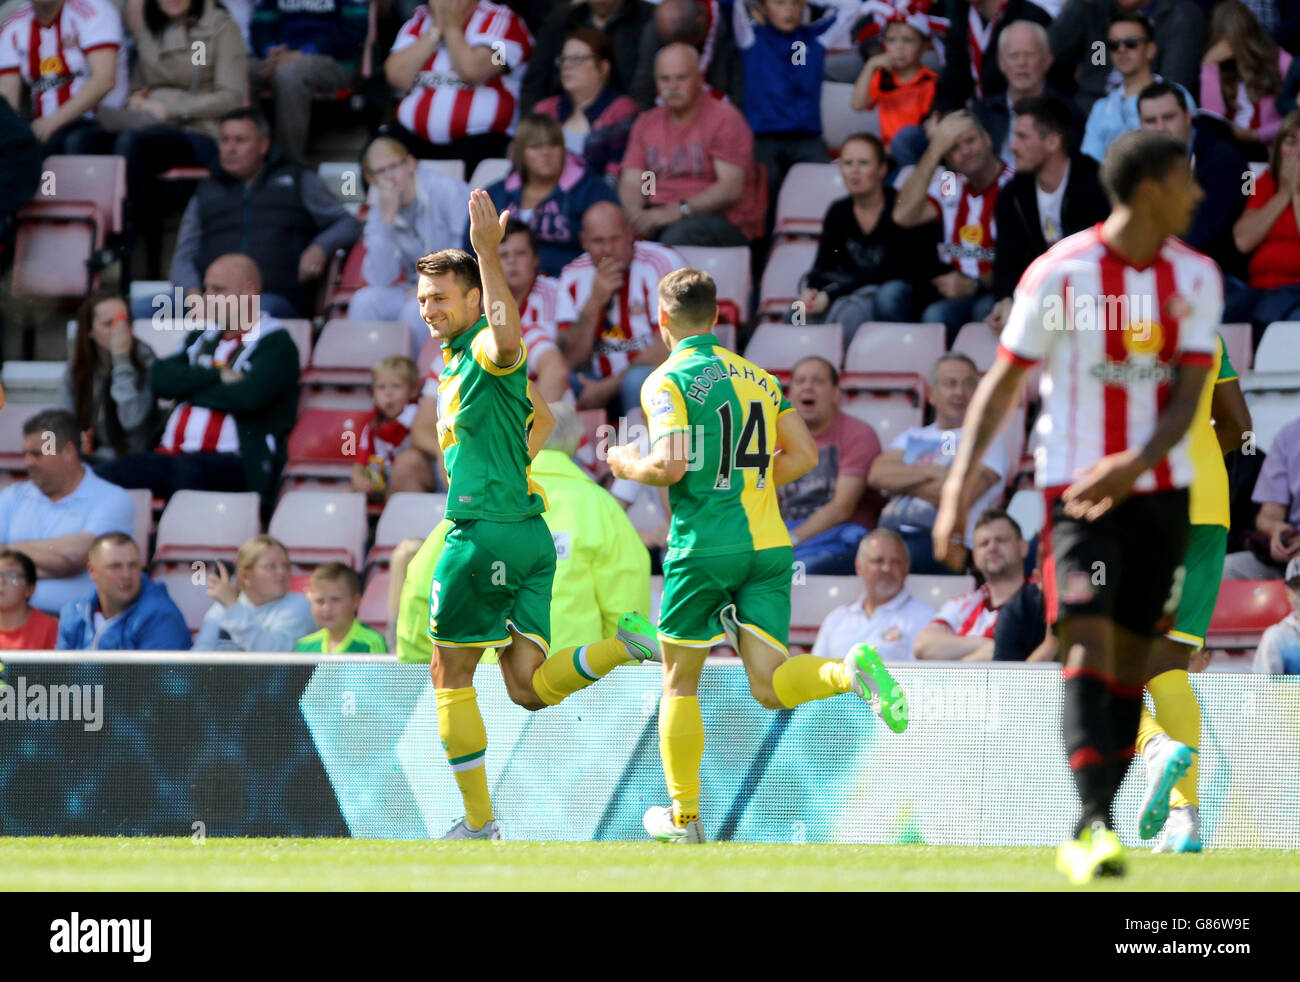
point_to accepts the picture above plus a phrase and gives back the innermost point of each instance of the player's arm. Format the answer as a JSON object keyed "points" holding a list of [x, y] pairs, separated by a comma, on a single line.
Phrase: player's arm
{"points": [[796, 449], [666, 464], [543, 421], [552, 374], [1231, 415], [939, 642], [486, 230]]}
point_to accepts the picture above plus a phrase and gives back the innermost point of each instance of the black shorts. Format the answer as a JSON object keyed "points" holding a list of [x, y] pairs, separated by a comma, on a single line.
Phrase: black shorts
{"points": [[1126, 566]]}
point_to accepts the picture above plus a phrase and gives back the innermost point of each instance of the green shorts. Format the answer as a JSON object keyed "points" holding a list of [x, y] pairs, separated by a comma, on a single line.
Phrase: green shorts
{"points": [[491, 577], [1203, 571], [697, 588]]}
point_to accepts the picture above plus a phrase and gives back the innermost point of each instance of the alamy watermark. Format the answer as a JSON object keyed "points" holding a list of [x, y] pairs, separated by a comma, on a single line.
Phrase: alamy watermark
{"points": [[38, 702]]}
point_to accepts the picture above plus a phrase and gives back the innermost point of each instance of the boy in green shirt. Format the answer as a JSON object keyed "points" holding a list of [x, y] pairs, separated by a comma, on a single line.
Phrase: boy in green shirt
{"points": [[335, 594]]}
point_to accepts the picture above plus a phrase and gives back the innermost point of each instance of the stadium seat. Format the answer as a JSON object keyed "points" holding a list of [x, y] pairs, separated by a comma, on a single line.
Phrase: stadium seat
{"points": [[165, 336], [839, 121], [806, 193], [346, 349], [321, 526], [1237, 339], [12, 418], [406, 515], [1257, 167], [1029, 510], [142, 498], [1277, 360], [373, 611], [938, 590], [786, 267], [726, 334], [323, 446], [887, 415], [62, 232], [816, 597], [730, 269], [489, 171], [343, 178], [1269, 412], [345, 281], [430, 352], [452, 167], [300, 331], [352, 400], [192, 598], [886, 357], [300, 583], [778, 347], [656, 597], [206, 525], [978, 342], [1245, 609]]}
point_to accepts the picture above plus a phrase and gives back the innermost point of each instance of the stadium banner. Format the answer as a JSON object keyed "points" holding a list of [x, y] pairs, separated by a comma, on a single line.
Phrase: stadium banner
{"points": [[333, 746]]}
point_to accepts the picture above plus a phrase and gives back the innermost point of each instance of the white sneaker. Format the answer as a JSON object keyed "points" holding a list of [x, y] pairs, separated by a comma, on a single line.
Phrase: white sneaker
{"points": [[658, 821], [462, 830], [1182, 831]]}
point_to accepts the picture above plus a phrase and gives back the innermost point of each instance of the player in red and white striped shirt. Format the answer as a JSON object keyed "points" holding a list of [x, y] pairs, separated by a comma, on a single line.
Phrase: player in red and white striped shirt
{"points": [[1123, 317], [461, 67], [67, 53]]}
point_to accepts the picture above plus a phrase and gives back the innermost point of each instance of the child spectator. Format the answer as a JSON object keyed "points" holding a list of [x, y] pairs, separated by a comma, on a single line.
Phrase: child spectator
{"points": [[335, 595], [395, 385], [22, 626], [894, 82]]}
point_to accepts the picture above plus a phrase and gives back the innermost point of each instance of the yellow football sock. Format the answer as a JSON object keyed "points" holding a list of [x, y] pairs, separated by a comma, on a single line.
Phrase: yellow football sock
{"points": [[1147, 728], [681, 747], [465, 740], [567, 671], [1180, 715], [804, 678]]}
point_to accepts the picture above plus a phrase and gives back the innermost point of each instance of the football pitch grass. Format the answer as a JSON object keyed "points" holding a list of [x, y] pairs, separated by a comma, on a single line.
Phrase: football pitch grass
{"points": [[126, 864]]}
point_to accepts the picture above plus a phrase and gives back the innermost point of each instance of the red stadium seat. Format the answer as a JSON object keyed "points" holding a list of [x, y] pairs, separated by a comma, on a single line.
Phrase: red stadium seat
{"points": [[730, 269], [348, 281], [300, 583], [374, 602], [786, 267], [321, 526], [887, 357], [778, 347], [406, 515], [346, 349], [185, 174], [1245, 609], [806, 193], [352, 400], [323, 446], [206, 525]]}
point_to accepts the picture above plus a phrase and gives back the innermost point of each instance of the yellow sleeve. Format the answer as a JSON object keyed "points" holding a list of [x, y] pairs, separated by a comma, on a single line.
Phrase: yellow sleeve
{"points": [[477, 348], [664, 407]]}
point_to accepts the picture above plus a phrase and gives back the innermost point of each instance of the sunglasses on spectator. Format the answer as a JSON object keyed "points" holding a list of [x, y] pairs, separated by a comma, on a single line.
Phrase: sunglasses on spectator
{"points": [[1132, 44], [563, 60], [12, 578]]}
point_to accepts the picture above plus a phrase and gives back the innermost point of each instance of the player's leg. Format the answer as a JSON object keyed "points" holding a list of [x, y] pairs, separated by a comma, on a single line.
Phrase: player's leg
{"points": [[464, 737], [681, 746]]}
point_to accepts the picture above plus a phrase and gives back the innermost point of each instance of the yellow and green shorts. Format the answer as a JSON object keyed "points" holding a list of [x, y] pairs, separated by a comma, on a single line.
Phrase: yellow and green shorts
{"points": [[1203, 565]]}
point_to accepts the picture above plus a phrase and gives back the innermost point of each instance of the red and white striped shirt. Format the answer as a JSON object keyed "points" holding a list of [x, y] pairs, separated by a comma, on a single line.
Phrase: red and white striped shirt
{"points": [[631, 321], [441, 107], [379, 444], [969, 231], [1111, 336], [194, 429], [52, 60], [977, 42], [971, 615]]}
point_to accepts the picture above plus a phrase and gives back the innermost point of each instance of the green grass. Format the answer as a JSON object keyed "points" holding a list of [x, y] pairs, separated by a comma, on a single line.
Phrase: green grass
{"points": [[82, 864]]}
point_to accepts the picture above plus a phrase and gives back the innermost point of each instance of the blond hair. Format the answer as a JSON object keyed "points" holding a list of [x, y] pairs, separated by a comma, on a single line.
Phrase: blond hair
{"points": [[397, 365], [252, 550], [689, 298]]}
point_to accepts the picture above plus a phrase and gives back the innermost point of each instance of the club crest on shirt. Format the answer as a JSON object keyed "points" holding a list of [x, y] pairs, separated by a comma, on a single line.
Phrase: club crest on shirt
{"points": [[1078, 587], [893, 634], [1144, 338], [661, 405], [972, 234]]}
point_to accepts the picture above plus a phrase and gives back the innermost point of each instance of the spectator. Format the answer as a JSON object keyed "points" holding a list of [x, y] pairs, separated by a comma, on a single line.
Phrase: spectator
{"points": [[1219, 168], [974, 68], [275, 210], [899, 87], [176, 103], [254, 610], [865, 263], [1279, 649], [597, 119], [602, 569], [623, 22], [549, 189], [688, 174], [412, 210], [702, 26], [335, 595], [538, 299], [912, 470], [236, 392], [1025, 58], [829, 509], [126, 611], [58, 511], [301, 52], [1021, 633], [1176, 26], [1054, 193], [106, 385], [460, 64], [965, 203], [1130, 40], [608, 313], [963, 630], [887, 617], [395, 386], [1241, 76], [67, 55], [22, 626], [21, 154], [1277, 492], [1268, 234]]}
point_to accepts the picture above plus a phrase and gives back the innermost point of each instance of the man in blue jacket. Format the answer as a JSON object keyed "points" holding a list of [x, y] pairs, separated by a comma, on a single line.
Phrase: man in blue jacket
{"points": [[126, 611], [301, 48]]}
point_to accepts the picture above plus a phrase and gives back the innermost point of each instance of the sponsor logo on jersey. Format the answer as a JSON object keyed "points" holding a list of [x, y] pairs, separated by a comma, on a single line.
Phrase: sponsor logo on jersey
{"points": [[972, 234], [1144, 339], [661, 405], [441, 80]]}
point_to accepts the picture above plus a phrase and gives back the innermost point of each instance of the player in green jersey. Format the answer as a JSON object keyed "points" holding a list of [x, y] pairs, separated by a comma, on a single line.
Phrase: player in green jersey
{"points": [[492, 582], [723, 438]]}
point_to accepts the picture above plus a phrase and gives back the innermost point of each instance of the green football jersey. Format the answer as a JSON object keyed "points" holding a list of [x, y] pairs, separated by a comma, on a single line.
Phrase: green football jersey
{"points": [[727, 408], [484, 421], [359, 639]]}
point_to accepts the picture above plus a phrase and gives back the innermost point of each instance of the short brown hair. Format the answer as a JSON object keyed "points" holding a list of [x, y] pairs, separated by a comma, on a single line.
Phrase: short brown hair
{"points": [[398, 365], [515, 227], [533, 131], [23, 560], [689, 297], [990, 515], [458, 262], [111, 539], [598, 41], [335, 573], [60, 422]]}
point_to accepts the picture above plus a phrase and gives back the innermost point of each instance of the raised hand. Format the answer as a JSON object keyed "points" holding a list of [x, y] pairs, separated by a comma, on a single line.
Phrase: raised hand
{"points": [[486, 227]]}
